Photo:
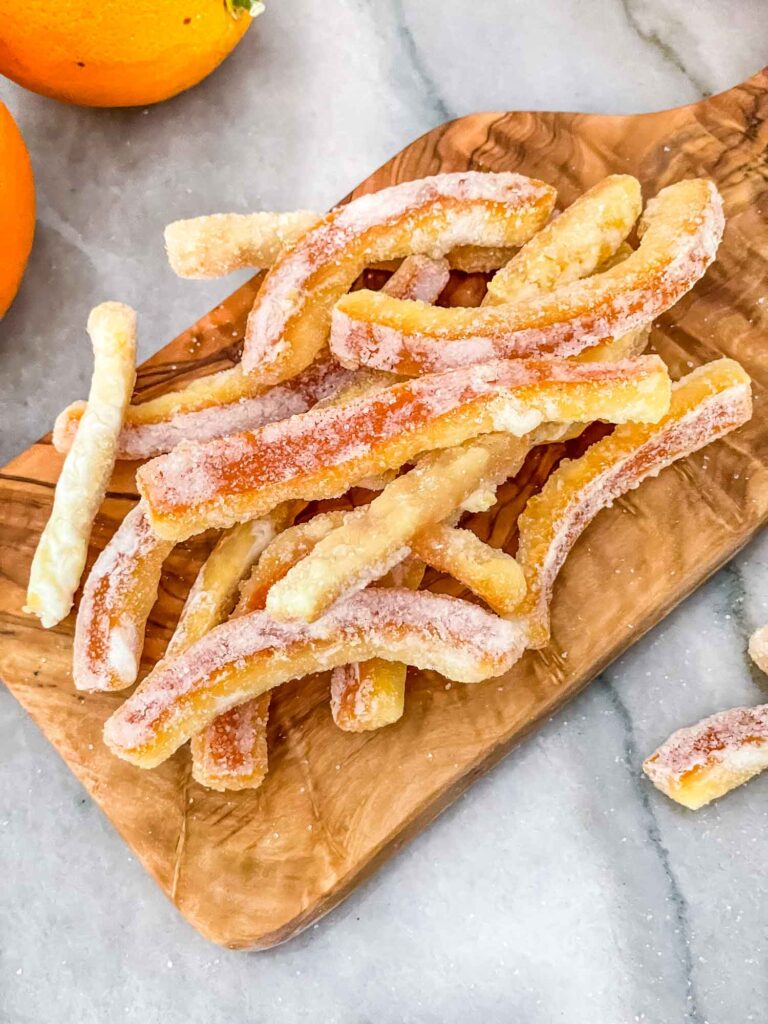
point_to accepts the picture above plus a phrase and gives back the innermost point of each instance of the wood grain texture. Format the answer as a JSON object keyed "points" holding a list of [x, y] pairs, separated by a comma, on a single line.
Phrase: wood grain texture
{"points": [[253, 869]]}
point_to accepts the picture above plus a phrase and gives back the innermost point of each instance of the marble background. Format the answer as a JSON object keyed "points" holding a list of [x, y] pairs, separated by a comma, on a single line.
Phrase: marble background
{"points": [[562, 887]]}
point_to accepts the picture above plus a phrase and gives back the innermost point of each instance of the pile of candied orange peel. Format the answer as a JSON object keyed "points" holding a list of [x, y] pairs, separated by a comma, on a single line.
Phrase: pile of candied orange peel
{"points": [[339, 456]]}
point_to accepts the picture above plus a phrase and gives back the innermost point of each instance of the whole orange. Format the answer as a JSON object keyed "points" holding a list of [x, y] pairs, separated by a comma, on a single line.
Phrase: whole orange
{"points": [[17, 208], [117, 53]]}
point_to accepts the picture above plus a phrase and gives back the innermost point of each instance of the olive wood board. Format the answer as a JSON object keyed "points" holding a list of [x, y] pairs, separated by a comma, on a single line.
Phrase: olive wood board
{"points": [[252, 869]]}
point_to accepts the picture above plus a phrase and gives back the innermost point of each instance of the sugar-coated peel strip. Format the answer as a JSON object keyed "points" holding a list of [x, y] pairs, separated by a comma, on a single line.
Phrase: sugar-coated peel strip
{"points": [[61, 552], [213, 406], [681, 229], [758, 648], [288, 324], [117, 599], [573, 245], [486, 571], [213, 594], [705, 761], [346, 560], [321, 453], [377, 536], [230, 401], [217, 244], [231, 753], [367, 695], [706, 404], [251, 654]]}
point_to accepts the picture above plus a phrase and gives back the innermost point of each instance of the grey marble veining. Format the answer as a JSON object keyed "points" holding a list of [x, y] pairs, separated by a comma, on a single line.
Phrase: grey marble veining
{"points": [[561, 887]]}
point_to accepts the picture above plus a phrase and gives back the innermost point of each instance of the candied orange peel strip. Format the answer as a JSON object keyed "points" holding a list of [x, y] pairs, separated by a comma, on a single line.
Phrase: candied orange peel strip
{"points": [[251, 654], [488, 572], [231, 753], [217, 244], [222, 403], [215, 590], [573, 245], [378, 536], [289, 322], [368, 695], [230, 401], [706, 404], [62, 549], [680, 231], [116, 601], [705, 761], [321, 453]]}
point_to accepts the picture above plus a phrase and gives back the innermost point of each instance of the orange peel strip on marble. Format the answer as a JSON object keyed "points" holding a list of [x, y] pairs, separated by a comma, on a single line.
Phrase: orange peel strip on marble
{"points": [[705, 761]]}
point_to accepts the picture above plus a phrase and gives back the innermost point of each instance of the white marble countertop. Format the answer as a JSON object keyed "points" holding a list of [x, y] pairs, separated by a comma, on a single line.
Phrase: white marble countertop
{"points": [[562, 887]]}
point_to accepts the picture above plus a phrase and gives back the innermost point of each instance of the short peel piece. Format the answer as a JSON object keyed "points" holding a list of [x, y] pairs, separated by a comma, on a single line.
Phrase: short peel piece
{"points": [[705, 761]]}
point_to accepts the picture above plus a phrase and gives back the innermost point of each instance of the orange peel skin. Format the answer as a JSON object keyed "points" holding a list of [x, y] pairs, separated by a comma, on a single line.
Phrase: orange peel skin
{"points": [[705, 761], [681, 230], [288, 324], [320, 454], [706, 404], [251, 654]]}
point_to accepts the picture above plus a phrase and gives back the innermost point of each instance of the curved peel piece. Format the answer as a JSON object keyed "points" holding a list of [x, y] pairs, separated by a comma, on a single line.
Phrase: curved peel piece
{"points": [[217, 244], [323, 452], [573, 245], [681, 230], [704, 761], [289, 322], [252, 654], [706, 404]]}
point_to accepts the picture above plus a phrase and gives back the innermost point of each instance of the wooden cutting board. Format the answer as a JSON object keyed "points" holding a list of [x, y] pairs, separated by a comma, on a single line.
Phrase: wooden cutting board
{"points": [[253, 869]]}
